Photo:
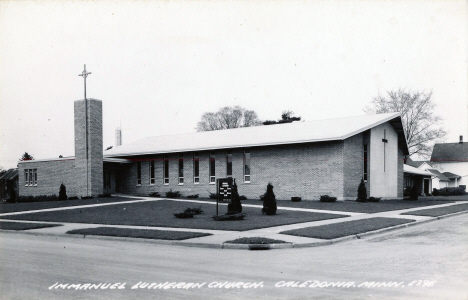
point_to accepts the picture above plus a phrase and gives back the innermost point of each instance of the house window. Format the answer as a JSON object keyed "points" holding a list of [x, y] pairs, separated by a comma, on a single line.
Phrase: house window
{"points": [[151, 169], [30, 177], [26, 177], [166, 169], [35, 176], [212, 167], [139, 173], [365, 163], [181, 168], [31, 182], [247, 165], [196, 168], [229, 164]]}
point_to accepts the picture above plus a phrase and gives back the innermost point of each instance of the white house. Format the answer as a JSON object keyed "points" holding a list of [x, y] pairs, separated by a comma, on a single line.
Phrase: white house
{"points": [[451, 159]]}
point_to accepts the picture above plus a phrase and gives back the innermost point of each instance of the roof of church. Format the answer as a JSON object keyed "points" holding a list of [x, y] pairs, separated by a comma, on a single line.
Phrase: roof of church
{"points": [[413, 170], [416, 163], [280, 134], [450, 152]]}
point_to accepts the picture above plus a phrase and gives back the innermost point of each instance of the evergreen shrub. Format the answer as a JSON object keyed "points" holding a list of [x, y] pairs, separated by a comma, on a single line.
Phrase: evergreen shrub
{"points": [[235, 207], [373, 199], [242, 197], [296, 199], [326, 198], [414, 193], [194, 196], [362, 192], [172, 194], [269, 201], [63, 192], [154, 194]]}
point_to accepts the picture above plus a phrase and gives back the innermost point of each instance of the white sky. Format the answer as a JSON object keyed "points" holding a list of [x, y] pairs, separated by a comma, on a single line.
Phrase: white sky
{"points": [[159, 65]]}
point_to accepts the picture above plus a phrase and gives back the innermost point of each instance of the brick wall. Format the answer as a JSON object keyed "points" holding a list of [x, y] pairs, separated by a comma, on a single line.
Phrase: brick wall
{"points": [[304, 170], [50, 174]]}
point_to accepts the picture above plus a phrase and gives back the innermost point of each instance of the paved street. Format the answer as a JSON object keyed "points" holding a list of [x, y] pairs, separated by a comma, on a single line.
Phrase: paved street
{"points": [[435, 251]]}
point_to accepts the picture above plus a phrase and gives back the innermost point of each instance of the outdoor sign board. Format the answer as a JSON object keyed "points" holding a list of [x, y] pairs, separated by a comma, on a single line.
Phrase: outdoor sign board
{"points": [[223, 189]]}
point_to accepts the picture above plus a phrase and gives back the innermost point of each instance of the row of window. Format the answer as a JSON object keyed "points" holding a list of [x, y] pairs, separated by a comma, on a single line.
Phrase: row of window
{"points": [[30, 177], [196, 168]]}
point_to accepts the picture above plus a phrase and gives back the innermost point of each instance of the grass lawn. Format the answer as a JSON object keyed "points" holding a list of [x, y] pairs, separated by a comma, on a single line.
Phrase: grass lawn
{"points": [[161, 213], [23, 226], [139, 233], [436, 212], [255, 240], [337, 230], [352, 206], [14, 207]]}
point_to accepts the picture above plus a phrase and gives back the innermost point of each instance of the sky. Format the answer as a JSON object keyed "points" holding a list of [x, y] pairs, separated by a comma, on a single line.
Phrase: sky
{"points": [[159, 65]]}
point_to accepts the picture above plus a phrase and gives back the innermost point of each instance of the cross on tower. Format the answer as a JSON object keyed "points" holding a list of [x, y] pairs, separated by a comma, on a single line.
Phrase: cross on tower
{"points": [[385, 141], [84, 74]]}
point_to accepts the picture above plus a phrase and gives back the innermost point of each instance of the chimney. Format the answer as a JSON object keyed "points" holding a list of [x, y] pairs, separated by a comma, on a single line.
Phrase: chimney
{"points": [[461, 139], [118, 136]]}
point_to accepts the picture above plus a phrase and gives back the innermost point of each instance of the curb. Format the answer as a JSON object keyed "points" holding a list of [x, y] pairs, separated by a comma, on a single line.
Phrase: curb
{"points": [[258, 246]]}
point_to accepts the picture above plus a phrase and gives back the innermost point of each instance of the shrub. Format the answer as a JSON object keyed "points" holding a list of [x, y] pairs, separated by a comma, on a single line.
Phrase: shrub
{"points": [[154, 194], [73, 198], [414, 193], [362, 192], [242, 197], [63, 192], [86, 197], [213, 196], [234, 217], [406, 192], [269, 201], [194, 210], [373, 199], [172, 194], [184, 215], [12, 198], [452, 191], [235, 207], [326, 198], [296, 199], [192, 196], [106, 195], [435, 192], [261, 197]]}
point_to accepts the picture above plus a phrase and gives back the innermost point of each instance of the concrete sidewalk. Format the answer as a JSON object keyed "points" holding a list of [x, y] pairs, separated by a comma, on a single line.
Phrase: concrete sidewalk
{"points": [[218, 238]]}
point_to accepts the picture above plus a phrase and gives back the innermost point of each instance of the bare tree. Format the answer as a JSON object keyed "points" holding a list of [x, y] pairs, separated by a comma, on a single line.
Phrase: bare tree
{"points": [[422, 127], [228, 117]]}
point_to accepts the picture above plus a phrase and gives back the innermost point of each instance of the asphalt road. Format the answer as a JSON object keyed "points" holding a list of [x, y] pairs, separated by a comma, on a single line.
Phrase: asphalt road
{"points": [[434, 254]]}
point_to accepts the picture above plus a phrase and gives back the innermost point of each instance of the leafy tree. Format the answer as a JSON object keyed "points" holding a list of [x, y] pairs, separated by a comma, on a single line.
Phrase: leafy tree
{"points": [[286, 117], [228, 117], [26, 156], [422, 127], [235, 207], [269, 201], [63, 192], [362, 192]]}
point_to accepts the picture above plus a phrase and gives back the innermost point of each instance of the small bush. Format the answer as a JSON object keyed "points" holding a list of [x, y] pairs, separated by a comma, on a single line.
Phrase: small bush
{"points": [[106, 195], [269, 201], [261, 197], [242, 197], [235, 207], [194, 210], [452, 191], [213, 196], [435, 192], [172, 194], [63, 192], [154, 194], [40, 198], [296, 199], [184, 215], [414, 193], [194, 196], [326, 198], [373, 199], [362, 192], [86, 197], [73, 198], [234, 217]]}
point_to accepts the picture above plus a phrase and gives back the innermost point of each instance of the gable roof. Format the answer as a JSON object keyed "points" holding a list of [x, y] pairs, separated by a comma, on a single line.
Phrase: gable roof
{"points": [[439, 175], [416, 163], [450, 175], [450, 152], [290, 133], [9, 175], [412, 170]]}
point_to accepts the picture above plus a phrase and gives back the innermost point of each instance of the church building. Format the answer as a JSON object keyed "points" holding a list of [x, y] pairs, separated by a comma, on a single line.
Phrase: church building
{"points": [[300, 159]]}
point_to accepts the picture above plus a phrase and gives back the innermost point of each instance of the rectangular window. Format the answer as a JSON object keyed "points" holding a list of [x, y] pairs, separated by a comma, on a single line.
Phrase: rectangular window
{"points": [[229, 164], [166, 169], [26, 177], [35, 176], [247, 165], [365, 163], [139, 173], [30, 177], [181, 168], [196, 168], [151, 170], [212, 167]]}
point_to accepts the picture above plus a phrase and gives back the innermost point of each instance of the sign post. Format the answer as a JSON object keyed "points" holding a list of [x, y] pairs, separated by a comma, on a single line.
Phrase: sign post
{"points": [[223, 189]]}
